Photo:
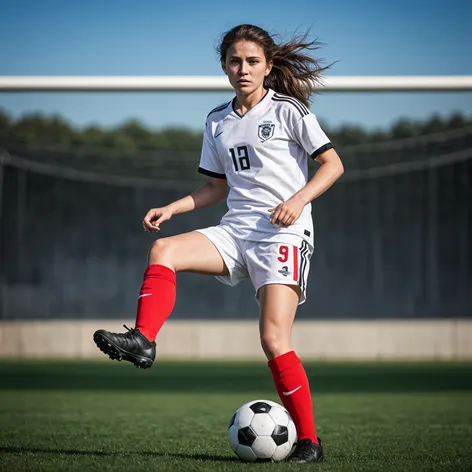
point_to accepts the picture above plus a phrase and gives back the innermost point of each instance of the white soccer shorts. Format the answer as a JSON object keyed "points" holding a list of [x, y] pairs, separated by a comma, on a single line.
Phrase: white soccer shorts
{"points": [[286, 263]]}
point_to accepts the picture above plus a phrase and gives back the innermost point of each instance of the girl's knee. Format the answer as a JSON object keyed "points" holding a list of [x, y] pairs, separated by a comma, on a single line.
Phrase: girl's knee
{"points": [[160, 252], [274, 345]]}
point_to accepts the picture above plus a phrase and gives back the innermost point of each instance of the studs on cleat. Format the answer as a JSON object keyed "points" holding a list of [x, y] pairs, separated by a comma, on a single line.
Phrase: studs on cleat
{"points": [[131, 346]]}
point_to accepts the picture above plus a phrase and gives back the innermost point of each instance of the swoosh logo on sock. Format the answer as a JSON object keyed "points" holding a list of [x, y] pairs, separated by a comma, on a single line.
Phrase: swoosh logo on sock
{"points": [[291, 391], [145, 295]]}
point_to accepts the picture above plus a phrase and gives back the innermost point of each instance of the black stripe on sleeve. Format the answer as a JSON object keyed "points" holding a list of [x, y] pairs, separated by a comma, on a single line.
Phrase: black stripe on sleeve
{"points": [[293, 99], [295, 104], [218, 108], [211, 174], [321, 150]]}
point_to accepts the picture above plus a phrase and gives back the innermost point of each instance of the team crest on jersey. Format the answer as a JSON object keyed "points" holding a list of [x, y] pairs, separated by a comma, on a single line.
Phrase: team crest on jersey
{"points": [[266, 131]]}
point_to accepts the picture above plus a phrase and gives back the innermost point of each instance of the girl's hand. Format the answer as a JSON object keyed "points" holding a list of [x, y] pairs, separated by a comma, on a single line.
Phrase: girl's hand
{"points": [[286, 213], [154, 217]]}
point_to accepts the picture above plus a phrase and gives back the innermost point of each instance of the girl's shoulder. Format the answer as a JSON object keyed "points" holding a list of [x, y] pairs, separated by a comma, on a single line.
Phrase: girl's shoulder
{"points": [[290, 105], [219, 108]]}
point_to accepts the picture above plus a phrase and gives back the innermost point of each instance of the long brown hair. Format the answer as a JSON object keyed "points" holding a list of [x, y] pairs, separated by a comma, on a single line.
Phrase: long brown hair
{"points": [[293, 73]]}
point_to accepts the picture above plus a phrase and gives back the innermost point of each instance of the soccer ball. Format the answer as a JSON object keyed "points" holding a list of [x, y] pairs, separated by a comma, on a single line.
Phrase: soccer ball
{"points": [[262, 430]]}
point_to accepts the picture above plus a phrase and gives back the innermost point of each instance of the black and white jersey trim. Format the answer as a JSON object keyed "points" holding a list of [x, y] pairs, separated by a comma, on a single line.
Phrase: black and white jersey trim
{"points": [[304, 257], [218, 108], [293, 101], [321, 150], [201, 170], [233, 102]]}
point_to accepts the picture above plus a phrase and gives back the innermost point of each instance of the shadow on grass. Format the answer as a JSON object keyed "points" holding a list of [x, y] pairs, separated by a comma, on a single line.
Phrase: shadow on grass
{"points": [[39, 450], [197, 457], [77, 452], [214, 377]]}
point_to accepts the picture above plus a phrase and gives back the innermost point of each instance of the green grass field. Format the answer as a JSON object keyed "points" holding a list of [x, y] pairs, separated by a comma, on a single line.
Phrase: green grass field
{"points": [[109, 416]]}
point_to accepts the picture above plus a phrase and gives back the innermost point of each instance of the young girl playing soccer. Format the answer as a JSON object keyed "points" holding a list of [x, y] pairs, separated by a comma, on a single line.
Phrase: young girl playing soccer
{"points": [[255, 153]]}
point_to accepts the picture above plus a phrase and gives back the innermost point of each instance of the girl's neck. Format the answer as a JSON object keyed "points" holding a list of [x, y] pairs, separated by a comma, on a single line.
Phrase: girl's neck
{"points": [[245, 102]]}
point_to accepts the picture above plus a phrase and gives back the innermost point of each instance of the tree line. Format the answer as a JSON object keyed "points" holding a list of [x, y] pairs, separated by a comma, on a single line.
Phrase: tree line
{"points": [[39, 129]]}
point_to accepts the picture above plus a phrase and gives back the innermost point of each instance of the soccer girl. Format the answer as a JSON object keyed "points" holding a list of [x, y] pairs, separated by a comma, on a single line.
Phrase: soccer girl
{"points": [[255, 153]]}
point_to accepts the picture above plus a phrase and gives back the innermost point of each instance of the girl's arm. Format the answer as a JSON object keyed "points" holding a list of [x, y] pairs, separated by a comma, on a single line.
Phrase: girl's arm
{"points": [[212, 192], [331, 169]]}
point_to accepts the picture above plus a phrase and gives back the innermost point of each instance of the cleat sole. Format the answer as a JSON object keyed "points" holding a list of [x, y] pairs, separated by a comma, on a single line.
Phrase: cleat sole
{"points": [[115, 353]]}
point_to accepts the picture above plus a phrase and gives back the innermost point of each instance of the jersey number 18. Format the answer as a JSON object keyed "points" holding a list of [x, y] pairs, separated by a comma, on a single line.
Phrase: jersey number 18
{"points": [[240, 158]]}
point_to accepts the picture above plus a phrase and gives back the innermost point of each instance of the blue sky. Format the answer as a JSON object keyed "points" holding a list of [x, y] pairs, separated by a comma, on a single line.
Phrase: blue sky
{"points": [[118, 37]]}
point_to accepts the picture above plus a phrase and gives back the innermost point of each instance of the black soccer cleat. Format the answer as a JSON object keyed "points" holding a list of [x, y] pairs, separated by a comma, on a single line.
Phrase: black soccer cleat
{"points": [[131, 346], [307, 451]]}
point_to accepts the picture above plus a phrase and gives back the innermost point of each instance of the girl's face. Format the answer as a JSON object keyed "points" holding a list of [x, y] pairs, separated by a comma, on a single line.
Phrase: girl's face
{"points": [[246, 66]]}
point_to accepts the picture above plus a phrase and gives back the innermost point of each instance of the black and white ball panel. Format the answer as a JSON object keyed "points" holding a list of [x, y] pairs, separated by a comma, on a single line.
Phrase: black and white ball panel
{"points": [[246, 436], [280, 435], [260, 407]]}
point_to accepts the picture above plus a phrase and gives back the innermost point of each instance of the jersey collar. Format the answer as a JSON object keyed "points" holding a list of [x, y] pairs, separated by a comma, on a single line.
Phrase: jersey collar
{"points": [[260, 105]]}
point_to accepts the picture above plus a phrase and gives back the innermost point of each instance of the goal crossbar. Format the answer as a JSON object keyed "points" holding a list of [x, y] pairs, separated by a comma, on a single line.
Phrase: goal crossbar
{"points": [[447, 83]]}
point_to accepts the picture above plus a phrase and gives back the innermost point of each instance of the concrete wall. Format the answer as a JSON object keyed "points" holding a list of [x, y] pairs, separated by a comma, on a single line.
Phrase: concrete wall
{"points": [[440, 340]]}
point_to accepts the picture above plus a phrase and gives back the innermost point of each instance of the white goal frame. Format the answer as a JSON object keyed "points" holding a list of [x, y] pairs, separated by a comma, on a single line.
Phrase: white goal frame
{"points": [[432, 83]]}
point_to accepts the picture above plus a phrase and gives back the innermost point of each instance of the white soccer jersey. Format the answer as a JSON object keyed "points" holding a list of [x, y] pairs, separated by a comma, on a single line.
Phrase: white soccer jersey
{"points": [[264, 157]]}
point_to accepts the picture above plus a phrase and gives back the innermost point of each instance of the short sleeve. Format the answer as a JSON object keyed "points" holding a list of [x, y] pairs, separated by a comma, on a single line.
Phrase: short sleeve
{"points": [[309, 135], [210, 163]]}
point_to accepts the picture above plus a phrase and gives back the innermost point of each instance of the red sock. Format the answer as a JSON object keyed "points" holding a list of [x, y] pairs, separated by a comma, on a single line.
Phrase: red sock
{"points": [[293, 388], [156, 300]]}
